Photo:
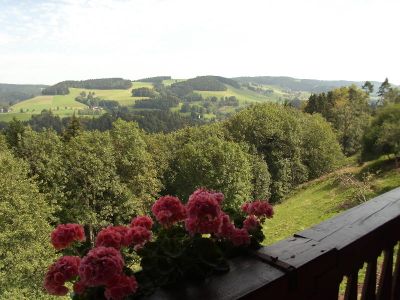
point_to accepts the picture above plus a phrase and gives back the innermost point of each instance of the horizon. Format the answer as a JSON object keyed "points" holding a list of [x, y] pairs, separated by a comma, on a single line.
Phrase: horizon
{"points": [[47, 41], [138, 79]]}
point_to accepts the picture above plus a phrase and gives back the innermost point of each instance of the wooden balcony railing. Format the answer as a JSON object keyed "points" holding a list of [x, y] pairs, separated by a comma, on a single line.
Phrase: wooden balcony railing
{"points": [[311, 264]]}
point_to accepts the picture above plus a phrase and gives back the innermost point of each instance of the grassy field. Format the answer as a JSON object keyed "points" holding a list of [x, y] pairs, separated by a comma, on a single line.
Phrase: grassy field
{"points": [[168, 82], [243, 95], [323, 198]]}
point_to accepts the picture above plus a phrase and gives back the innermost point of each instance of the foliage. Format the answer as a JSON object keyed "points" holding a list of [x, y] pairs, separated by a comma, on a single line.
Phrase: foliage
{"points": [[143, 92], [13, 93], [135, 166], [14, 132], [46, 120], [157, 79], [73, 129], [94, 102], [158, 103], [24, 231], [383, 136], [281, 134], [203, 83], [368, 87], [321, 153], [94, 195], [216, 164], [295, 84], [384, 88], [348, 110], [62, 88], [44, 153]]}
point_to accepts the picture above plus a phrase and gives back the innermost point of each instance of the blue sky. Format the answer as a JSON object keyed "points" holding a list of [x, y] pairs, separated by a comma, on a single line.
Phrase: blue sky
{"points": [[47, 41]]}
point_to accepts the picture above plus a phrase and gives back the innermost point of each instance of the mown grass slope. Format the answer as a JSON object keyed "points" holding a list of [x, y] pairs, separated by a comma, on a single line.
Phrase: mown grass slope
{"points": [[325, 197], [243, 95]]}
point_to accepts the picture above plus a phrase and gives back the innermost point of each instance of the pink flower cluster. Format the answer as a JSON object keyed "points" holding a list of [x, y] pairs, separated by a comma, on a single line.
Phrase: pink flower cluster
{"points": [[103, 266], [259, 208], [64, 269], [169, 210], [142, 221], [137, 235], [113, 236], [65, 234], [202, 214]]}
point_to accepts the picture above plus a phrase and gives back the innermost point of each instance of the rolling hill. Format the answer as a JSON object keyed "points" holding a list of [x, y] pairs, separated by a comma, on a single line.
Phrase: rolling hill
{"points": [[295, 84], [27, 99], [13, 93], [66, 105]]}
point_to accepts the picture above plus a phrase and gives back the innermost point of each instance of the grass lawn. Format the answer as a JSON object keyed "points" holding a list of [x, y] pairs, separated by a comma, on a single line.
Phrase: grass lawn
{"points": [[7, 117], [168, 82], [323, 198], [243, 95]]}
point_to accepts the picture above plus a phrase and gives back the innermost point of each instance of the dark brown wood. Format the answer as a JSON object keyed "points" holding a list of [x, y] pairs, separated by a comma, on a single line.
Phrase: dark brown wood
{"points": [[385, 282], [396, 276], [369, 287], [352, 286]]}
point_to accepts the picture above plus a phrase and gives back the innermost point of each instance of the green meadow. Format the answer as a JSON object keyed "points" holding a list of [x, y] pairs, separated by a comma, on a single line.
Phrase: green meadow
{"points": [[245, 95], [324, 198]]}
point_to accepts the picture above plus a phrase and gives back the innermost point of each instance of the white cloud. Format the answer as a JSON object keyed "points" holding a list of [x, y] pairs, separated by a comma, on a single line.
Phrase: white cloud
{"points": [[49, 41]]}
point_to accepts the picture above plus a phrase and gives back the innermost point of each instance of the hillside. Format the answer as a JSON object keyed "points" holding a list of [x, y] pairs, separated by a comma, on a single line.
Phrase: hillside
{"points": [[66, 105], [220, 88], [327, 196], [13, 93], [205, 97], [296, 84]]}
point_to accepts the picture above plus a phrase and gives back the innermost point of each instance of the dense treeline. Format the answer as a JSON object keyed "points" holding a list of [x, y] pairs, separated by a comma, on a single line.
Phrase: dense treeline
{"points": [[295, 84], [143, 92], [205, 83], [156, 79], [349, 111], [151, 121], [62, 88], [158, 103], [25, 229], [361, 125], [11, 94]]}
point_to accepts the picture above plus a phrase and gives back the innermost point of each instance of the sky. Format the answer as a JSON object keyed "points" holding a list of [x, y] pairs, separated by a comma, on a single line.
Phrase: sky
{"points": [[47, 41]]}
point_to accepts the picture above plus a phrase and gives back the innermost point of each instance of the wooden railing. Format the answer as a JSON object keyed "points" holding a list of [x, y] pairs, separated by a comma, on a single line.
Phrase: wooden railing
{"points": [[311, 264]]}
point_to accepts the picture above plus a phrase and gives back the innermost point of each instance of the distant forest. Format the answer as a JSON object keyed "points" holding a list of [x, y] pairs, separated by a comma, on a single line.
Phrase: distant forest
{"points": [[14, 93], [294, 84], [62, 88]]}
